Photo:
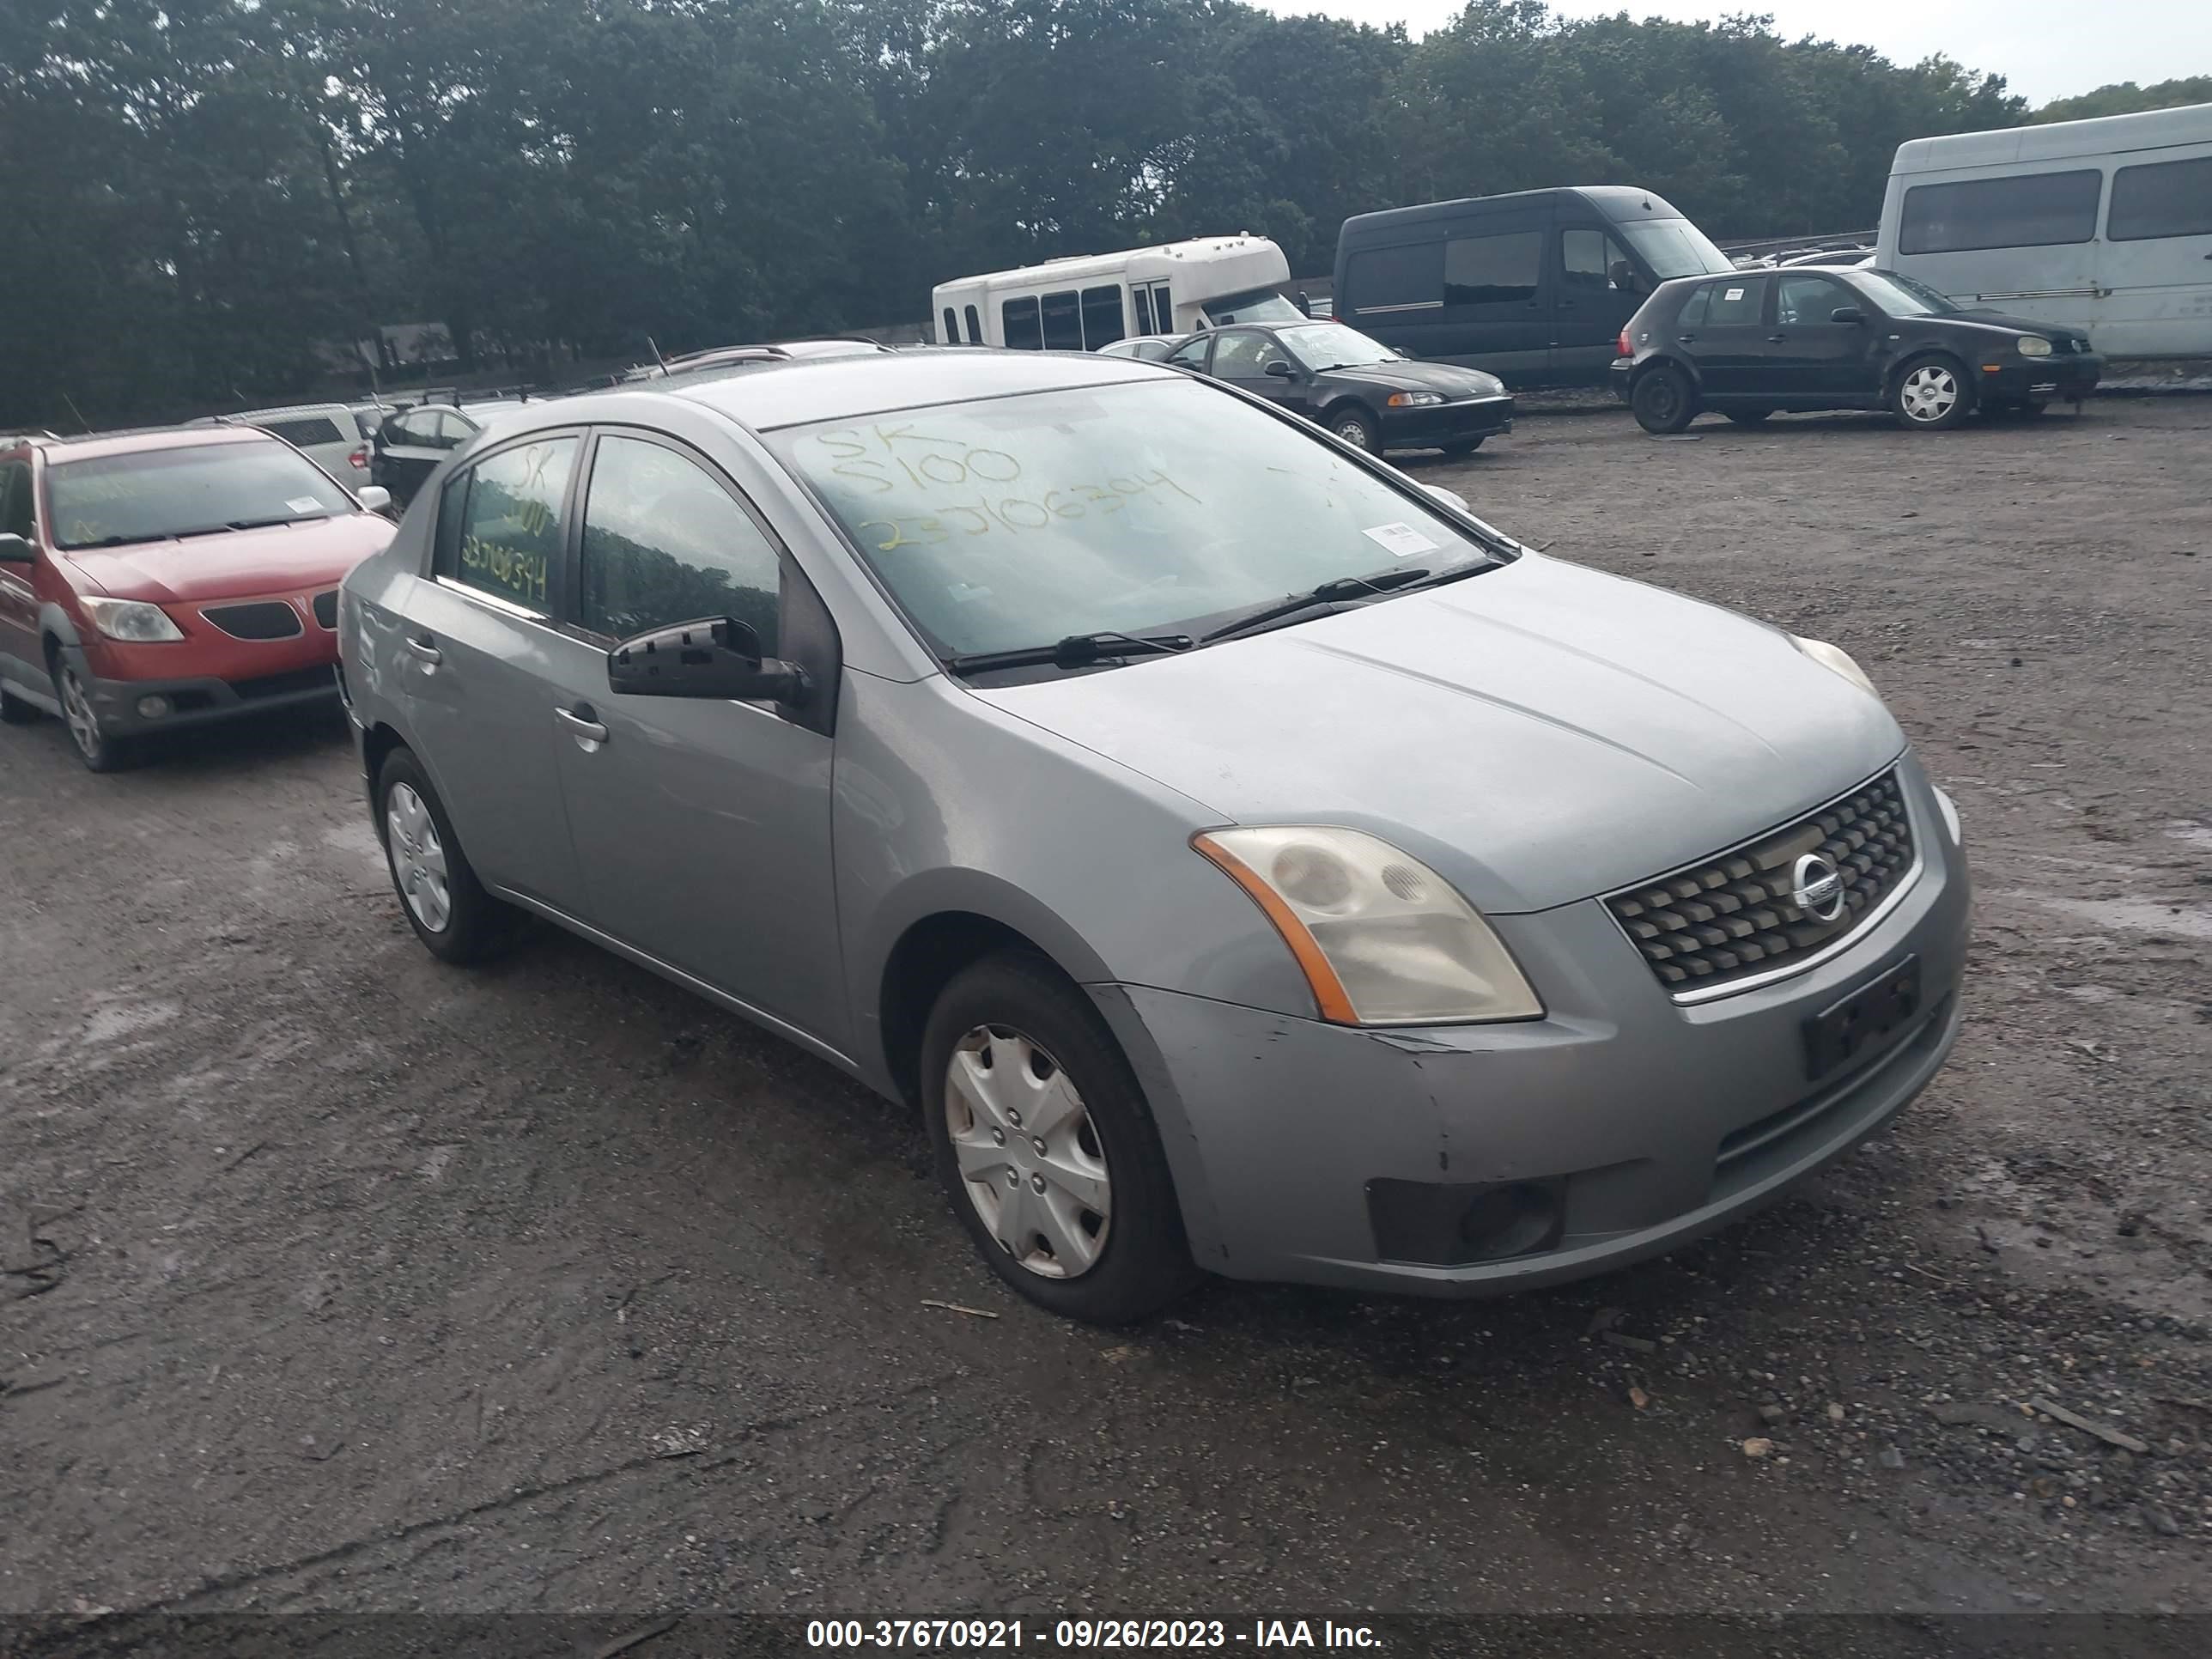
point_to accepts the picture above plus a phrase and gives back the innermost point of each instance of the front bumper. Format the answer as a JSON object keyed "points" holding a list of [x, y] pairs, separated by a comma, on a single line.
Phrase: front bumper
{"points": [[2071, 376], [1438, 425], [201, 699], [1317, 1153]]}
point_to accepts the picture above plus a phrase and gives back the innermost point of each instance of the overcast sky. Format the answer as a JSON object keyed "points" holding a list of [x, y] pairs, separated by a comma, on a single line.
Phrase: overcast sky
{"points": [[2044, 49]]}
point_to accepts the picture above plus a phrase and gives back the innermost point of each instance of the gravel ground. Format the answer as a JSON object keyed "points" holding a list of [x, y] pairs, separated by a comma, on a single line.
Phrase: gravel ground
{"points": [[335, 1280]]}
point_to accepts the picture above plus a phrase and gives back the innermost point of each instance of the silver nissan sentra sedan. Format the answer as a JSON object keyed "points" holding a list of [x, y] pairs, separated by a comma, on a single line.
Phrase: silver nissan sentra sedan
{"points": [[1247, 860]]}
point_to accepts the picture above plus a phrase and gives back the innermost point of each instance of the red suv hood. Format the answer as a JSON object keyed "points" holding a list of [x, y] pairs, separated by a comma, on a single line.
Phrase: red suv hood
{"points": [[283, 558]]}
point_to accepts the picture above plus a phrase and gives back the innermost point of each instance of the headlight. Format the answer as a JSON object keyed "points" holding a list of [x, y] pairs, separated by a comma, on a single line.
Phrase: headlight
{"points": [[2034, 345], [133, 620], [1413, 399], [1381, 938], [1835, 657], [1950, 811]]}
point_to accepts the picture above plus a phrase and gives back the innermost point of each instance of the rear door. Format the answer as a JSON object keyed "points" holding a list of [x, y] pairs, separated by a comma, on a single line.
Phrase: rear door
{"points": [[19, 605], [701, 826], [2155, 265], [1810, 358], [1721, 329], [1593, 294], [480, 653]]}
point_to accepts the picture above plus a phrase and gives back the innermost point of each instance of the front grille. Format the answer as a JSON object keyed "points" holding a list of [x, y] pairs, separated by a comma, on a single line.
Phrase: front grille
{"points": [[1732, 917], [326, 609], [277, 685], [263, 619]]}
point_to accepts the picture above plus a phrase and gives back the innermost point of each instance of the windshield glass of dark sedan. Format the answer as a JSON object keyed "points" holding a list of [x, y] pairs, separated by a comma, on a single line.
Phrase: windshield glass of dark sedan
{"points": [[1020, 521], [1902, 297], [155, 494], [1322, 346]]}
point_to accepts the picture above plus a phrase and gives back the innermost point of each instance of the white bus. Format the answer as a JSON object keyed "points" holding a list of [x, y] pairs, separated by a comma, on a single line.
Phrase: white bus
{"points": [[1092, 300], [2105, 224]]}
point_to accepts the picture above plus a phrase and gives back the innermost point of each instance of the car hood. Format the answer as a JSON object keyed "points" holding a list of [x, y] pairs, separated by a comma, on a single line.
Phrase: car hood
{"points": [[1446, 377], [1537, 734], [283, 558], [2013, 325]]}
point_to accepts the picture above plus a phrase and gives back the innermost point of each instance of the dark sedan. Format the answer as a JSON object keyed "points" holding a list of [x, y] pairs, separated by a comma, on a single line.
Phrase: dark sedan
{"points": [[1751, 342], [1359, 389]]}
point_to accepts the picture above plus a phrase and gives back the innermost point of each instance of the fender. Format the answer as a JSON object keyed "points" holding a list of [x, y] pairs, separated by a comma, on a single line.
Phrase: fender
{"points": [[54, 620]]}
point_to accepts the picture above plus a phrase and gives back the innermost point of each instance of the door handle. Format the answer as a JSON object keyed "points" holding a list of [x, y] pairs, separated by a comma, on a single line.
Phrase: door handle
{"points": [[581, 724], [423, 650], [1778, 338], [1686, 339]]}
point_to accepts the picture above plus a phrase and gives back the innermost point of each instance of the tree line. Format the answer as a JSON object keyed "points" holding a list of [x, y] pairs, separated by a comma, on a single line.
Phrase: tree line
{"points": [[198, 195]]}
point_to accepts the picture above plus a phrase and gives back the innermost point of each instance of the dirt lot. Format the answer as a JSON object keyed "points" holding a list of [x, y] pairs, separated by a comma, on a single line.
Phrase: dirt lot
{"points": [[337, 1279]]}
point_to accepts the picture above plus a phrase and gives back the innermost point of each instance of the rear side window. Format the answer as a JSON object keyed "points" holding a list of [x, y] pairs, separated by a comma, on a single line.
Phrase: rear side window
{"points": [[2163, 198], [1019, 319], [1102, 316], [304, 433], [1063, 322], [1391, 279], [2038, 210], [1493, 270], [511, 528], [1719, 304], [664, 543], [1191, 354]]}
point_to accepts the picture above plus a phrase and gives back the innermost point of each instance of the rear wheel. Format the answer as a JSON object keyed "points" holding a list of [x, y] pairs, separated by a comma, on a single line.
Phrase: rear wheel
{"points": [[1747, 416], [1357, 428], [1046, 1146], [447, 906], [1663, 400], [1931, 394]]}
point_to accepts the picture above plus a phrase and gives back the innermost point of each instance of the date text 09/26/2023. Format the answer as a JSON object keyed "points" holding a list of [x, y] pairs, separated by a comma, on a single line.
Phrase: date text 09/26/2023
{"points": [[968, 1634]]}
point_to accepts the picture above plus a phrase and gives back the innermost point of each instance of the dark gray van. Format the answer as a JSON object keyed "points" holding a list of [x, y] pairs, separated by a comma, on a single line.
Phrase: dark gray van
{"points": [[1534, 286]]}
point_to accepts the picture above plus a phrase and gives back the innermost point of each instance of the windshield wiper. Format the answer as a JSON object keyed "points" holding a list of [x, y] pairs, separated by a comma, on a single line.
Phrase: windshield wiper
{"points": [[262, 524], [123, 541], [1076, 651], [1329, 592]]}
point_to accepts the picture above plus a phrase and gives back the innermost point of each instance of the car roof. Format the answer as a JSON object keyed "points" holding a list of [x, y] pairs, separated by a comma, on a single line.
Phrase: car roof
{"points": [[99, 445], [845, 388]]}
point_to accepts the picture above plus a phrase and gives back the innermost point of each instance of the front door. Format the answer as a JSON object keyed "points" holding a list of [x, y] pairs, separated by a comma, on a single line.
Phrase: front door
{"points": [[1241, 356], [1811, 358], [19, 605], [701, 826], [478, 645], [1597, 292], [1721, 329]]}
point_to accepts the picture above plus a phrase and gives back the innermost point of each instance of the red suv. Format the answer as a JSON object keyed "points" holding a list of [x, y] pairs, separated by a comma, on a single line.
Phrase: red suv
{"points": [[156, 580]]}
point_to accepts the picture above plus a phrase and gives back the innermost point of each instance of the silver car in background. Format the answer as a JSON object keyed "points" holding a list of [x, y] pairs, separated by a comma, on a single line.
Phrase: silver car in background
{"points": [[1246, 859]]}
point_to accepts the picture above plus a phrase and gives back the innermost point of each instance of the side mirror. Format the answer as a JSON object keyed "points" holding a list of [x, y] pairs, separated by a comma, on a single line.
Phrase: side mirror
{"points": [[15, 549], [717, 657], [374, 497], [1847, 314], [1450, 498], [1280, 370]]}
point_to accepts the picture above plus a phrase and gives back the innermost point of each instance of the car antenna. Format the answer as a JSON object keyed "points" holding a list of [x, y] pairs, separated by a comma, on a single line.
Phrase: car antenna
{"points": [[79, 413], [657, 357]]}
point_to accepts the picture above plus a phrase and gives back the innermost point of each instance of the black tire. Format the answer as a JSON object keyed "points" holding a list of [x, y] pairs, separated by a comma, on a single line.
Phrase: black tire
{"points": [[1355, 427], [475, 926], [100, 751], [1145, 1262], [1931, 392], [1663, 400], [1461, 448], [2033, 409], [1747, 416], [14, 711]]}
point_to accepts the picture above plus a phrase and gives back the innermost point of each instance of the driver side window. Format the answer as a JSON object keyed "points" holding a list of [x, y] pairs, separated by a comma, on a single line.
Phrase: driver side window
{"points": [[1243, 356], [1809, 300]]}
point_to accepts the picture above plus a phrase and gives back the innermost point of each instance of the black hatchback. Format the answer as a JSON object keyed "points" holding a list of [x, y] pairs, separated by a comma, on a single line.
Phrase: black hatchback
{"points": [[1369, 396], [1748, 344]]}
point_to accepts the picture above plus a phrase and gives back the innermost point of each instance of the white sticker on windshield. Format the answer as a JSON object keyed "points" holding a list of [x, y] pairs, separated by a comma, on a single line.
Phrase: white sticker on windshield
{"points": [[1400, 541], [1733, 293], [304, 504]]}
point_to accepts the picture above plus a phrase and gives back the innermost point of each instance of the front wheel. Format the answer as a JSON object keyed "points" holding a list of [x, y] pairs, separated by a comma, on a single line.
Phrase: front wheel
{"points": [[1047, 1147], [1357, 428], [1663, 401], [447, 906], [1931, 394], [1460, 448], [1747, 416], [98, 751]]}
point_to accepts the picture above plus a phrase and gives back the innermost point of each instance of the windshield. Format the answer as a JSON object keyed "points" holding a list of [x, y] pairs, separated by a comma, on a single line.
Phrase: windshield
{"points": [[1673, 248], [156, 493], [1254, 305], [1131, 508], [1332, 345], [1905, 296]]}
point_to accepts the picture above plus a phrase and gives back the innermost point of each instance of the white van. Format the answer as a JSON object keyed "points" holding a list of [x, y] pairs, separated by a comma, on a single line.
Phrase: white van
{"points": [[2105, 224], [335, 436], [1090, 299]]}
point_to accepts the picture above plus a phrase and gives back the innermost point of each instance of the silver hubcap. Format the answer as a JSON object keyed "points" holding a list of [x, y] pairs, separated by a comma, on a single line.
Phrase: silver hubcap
{"points": [[418, 857], [1353, 433], [1030, 1158], [1930, 394], [76, 710]]}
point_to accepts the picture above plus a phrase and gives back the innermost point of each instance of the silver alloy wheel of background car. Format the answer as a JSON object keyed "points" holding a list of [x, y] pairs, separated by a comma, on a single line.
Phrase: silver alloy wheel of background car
{"points": [[1352, 429], [1030, 1156], [418, 857], [1929, 393], [77, 713]]}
